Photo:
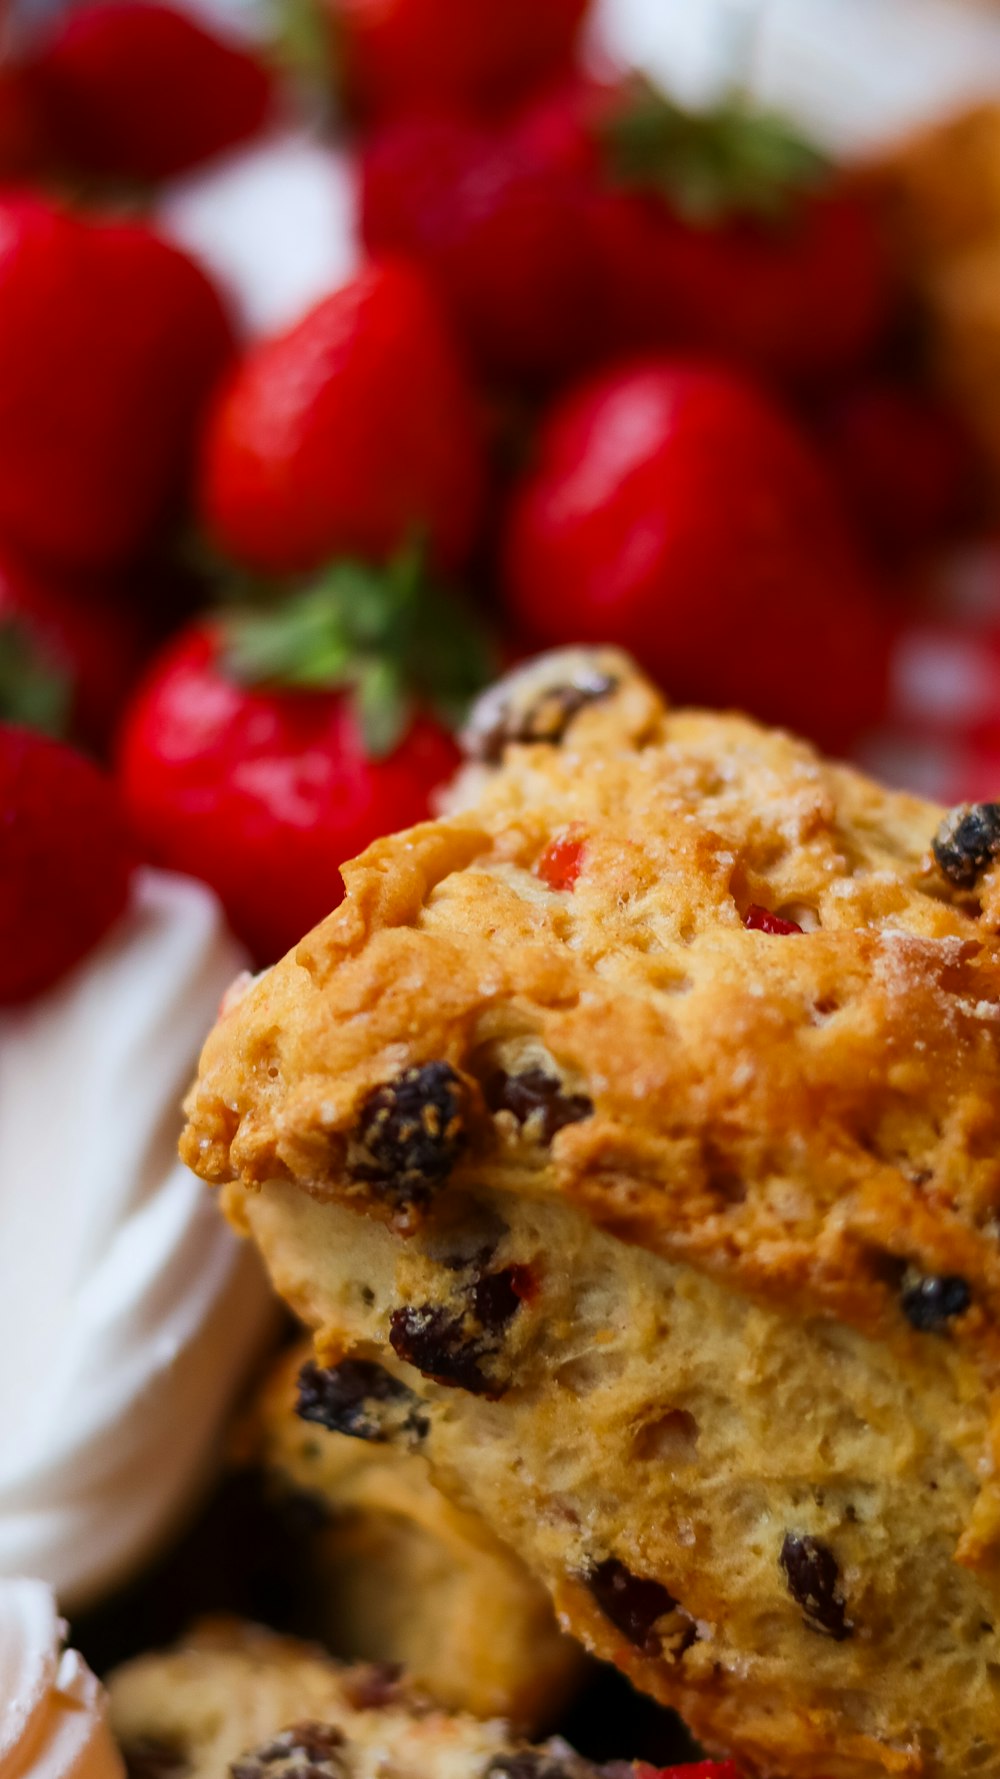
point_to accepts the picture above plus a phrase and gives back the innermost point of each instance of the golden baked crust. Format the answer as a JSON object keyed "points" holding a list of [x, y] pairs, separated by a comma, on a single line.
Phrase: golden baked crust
{"points": [[404, 1575], [803, 1124], [795, 1114], [229, 1687]]}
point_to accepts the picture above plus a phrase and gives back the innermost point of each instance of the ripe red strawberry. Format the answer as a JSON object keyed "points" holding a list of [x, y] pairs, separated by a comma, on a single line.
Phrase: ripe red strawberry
{"points": [[69, 652], [350, 433], [506, 240], [64, 864], [676, 511], [140, 90], [109, 343], [402, 55], [908, 467], [265, 749], [720, 231]]}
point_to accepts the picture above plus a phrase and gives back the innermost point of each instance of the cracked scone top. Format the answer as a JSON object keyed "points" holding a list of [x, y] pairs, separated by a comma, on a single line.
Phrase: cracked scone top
{"points": [[637, 1123]]}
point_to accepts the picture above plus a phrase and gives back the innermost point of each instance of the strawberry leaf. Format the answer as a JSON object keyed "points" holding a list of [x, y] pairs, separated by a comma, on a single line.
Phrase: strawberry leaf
{"points": [[297, 644], [712, 165], [33, 691], [384, 710], [389, 635], [305, 50]]}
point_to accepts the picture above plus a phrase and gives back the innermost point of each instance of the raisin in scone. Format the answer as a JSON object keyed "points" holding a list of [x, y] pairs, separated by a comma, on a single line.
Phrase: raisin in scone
{"points": [[233, 1697], [639, 1119], [401, 1573]]}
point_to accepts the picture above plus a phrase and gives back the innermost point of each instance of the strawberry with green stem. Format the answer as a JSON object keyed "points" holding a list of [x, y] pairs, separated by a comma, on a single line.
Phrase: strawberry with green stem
{"points": [[725, 230], [270, 743]]}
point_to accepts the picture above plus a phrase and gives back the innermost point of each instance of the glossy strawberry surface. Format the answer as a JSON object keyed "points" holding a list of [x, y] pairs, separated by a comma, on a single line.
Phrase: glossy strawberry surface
{"points": [[110, 341], [354, 431], [676, 510]]}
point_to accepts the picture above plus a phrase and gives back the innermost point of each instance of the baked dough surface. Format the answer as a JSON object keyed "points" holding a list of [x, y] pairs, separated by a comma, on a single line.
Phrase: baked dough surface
{"points": [[740, 1186], [399, 1573], [217, 1705]]}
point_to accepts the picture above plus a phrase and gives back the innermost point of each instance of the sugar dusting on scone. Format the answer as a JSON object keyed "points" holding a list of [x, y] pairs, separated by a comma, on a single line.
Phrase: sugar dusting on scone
{"points": [[664, 1073]]}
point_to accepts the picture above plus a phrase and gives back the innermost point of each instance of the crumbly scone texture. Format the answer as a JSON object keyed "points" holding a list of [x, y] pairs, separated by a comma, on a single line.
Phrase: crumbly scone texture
{"points": [[233, 1697], [406, 1576], [682, 1231]]}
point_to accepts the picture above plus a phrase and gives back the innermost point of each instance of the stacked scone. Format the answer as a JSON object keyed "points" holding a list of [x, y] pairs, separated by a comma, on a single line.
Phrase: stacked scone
{"points": [[398, 1572], [235, 1700], [629, 1140]]}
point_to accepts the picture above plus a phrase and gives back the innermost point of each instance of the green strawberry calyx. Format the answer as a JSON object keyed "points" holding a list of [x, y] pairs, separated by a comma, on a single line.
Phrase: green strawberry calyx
{"points": [[34, 693], [391, 636], [710, 166]]}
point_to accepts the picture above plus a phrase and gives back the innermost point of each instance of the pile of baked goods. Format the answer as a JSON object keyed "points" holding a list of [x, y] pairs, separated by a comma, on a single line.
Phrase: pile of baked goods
{"points": [[628, 1139], [566, 1344]]}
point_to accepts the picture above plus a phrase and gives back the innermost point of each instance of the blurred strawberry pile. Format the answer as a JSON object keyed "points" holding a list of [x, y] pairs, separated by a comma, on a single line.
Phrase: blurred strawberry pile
{"points": [[605, 370]]}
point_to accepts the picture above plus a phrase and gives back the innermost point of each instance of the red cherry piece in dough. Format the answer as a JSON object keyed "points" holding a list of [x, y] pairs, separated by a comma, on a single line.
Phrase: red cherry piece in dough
{"points": [[561, 863], [761, 920]]}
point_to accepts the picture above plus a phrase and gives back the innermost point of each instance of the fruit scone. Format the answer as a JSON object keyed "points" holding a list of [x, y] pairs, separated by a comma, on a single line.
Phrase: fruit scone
{"points": [[399, 1573], [629, 1139], [235, 1701]]}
